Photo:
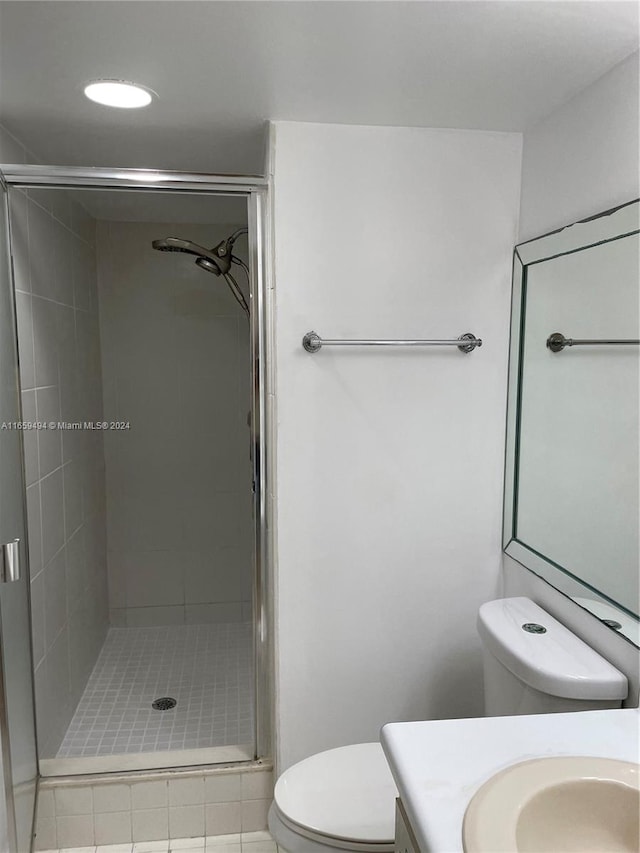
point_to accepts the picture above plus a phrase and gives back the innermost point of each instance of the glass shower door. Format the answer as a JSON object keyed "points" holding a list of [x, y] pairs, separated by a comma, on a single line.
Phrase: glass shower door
{"points": [[17, 724]]}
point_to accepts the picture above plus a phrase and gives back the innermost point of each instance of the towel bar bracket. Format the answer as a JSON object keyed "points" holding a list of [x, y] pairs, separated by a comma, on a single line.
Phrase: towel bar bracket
{"points": [[312, 342]]}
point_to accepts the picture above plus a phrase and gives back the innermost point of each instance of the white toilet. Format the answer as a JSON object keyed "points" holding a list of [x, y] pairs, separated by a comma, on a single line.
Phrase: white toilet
{"points": [[344, 799]]}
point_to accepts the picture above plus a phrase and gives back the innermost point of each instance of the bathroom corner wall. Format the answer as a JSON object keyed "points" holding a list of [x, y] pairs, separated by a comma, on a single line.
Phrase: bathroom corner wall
{"points": [[54, 263], [176, 368], [389, 462], [578, 161]]}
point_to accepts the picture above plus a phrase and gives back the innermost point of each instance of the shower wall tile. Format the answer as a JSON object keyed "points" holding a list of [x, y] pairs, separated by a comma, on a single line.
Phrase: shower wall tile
{"points": [[52, 505], [56, 698], [210, 575], [30, 438], [188, 614], [204, 614], [84, 262], [45, 342], [41, 250], [41, 687], [82, 654], [58, 339], [152, 517], [37, 616], [153, 578], [118, 617], [175, 355], [145, 617], [116, 561], [77, 576], [73, 496], [49, 440], [25, 340], [211, 520], [55, 590]]}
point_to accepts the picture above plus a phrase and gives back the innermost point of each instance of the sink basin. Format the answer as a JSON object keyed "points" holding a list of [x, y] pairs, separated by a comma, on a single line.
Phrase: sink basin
{"points": [[573, 804]]}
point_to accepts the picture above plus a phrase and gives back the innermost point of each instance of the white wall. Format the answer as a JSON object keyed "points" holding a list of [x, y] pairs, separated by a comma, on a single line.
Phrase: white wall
{"points": [[582, 159], [176, 366], [389, 462], [56, 300], [578, 161]]}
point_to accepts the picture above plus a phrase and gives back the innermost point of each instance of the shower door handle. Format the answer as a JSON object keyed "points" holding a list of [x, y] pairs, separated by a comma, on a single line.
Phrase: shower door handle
{"points": [[10, 561]]}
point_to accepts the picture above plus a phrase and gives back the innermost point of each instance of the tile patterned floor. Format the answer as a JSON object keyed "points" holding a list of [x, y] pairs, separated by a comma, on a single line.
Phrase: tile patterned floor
{"points": [[207, 668], [247, 842]]}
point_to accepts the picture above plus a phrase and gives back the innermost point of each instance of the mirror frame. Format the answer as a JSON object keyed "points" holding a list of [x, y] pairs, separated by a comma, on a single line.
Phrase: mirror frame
{"points": [[618, 222]]}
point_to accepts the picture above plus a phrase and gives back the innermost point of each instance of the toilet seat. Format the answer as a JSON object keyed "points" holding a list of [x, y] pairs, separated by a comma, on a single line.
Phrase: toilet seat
{"points": [[342, 798]]}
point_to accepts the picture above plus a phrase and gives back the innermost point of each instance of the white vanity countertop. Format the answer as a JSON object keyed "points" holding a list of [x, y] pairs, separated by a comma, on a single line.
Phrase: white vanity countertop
{"points": [[439, 764]]}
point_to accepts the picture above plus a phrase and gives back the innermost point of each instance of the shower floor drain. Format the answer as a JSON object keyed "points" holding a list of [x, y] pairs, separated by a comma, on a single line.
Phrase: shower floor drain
{"points": [[165, 703]]}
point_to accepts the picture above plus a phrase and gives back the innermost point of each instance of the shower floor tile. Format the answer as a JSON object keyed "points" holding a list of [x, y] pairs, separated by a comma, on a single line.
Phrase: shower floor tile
{"points": [[206, 668]]}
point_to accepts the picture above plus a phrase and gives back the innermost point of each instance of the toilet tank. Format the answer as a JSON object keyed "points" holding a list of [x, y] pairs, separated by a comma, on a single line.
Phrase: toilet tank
{"points": [[534, 665]]}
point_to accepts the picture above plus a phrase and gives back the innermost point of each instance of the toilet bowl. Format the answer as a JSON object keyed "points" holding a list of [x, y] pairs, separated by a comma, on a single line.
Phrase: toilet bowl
{"points": [[344, 799], [341, 799]]}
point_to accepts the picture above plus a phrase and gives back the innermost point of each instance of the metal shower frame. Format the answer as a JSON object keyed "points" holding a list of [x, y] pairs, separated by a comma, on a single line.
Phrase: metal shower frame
{"points": [[255, 190]]}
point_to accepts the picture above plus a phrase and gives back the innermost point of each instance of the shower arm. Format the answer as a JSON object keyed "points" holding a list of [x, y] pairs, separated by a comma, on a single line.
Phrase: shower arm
{"points": [[228, 243], [238, 233]]}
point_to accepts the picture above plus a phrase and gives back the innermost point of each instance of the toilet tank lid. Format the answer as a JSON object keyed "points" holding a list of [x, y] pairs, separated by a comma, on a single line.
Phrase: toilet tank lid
{"points": [[554, 661]]}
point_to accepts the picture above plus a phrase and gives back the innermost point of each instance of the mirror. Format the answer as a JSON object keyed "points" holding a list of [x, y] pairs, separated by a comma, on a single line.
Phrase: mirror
{"points": [[572, 510]]}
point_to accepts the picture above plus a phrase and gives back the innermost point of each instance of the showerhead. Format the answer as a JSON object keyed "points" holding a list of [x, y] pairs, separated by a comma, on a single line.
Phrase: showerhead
{"points": [[217, 260], [213, 260], [209, 266], [176, 244]]}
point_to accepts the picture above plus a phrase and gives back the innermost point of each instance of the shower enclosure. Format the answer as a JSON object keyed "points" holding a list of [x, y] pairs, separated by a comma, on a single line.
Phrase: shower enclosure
{"points": [[145, 480], [18, 764]]}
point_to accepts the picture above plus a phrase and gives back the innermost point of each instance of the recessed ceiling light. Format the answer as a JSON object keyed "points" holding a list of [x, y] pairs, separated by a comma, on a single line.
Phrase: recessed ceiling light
{"points": [[118, 93]]}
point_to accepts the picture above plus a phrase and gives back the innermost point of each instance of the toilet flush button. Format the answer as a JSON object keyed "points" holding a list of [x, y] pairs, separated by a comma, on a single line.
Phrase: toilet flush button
{"points": [[534, 628]]}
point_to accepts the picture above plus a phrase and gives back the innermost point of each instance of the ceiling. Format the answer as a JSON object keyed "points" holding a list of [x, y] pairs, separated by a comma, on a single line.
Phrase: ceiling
{"points": [[223, 68]]}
